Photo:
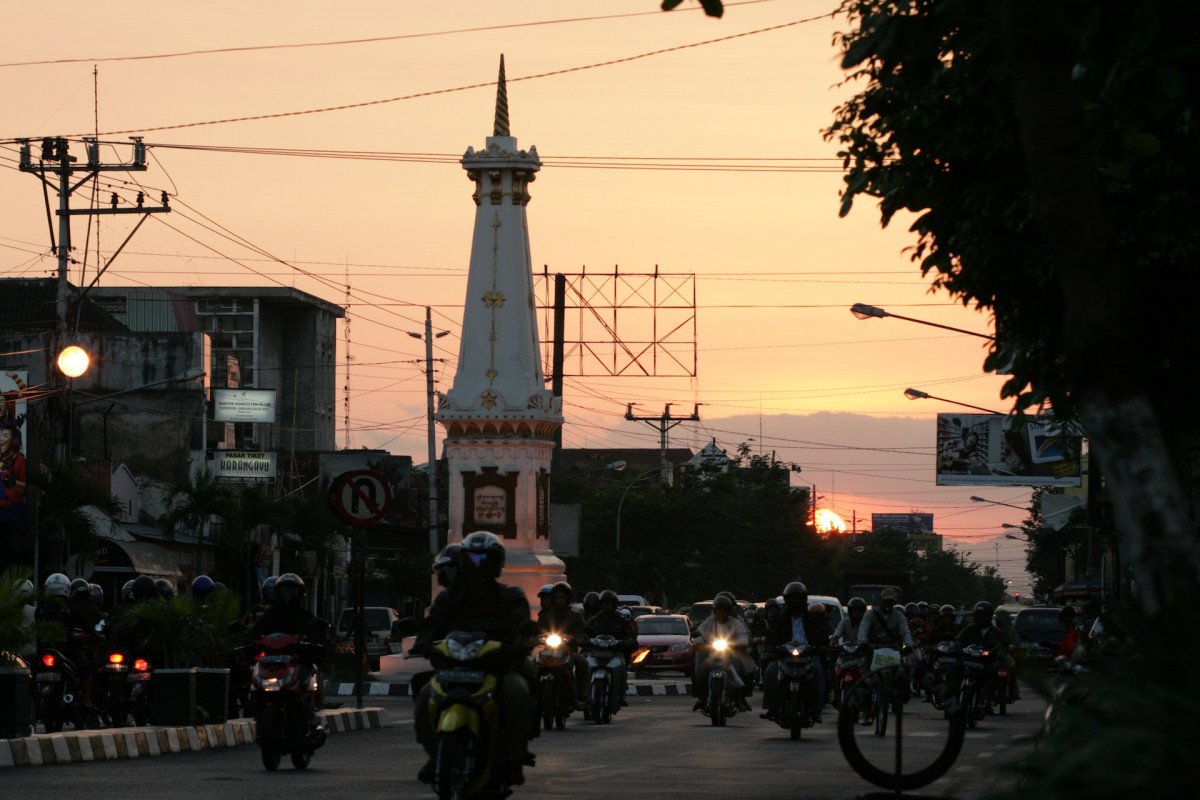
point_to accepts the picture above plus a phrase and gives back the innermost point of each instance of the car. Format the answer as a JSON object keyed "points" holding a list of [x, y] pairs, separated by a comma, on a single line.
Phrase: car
{"points": [[832, 605], [380, 620], [1040, 632], [698, 612], [641, 610], [666, 640]]}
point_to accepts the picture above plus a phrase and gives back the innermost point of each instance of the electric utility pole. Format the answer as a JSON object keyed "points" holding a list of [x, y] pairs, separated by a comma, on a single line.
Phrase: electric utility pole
{"points": [[57, 161], [664, 423], [429, 336]]}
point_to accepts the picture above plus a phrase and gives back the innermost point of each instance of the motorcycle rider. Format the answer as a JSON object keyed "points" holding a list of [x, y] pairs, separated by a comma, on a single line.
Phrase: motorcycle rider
{"points": [[60, 599], [721, 624], [560, 618], [591, 605], [609, 621], [847, 629], [981, 630], [796, 624], [886, 625], [287, 614], [476, 600], [945, 627]]}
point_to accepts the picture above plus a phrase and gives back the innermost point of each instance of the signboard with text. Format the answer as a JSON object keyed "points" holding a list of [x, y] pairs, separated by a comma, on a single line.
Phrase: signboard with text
{"points": [[994, 450], [244, 405], [244, 467]]}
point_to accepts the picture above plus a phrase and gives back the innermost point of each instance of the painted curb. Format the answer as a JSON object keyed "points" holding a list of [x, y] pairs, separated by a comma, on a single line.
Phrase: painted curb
{"points": [[45, 749]]}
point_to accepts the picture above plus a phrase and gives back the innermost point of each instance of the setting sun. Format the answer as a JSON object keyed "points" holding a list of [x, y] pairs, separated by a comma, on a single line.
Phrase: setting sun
{"points": [[829, 522]]}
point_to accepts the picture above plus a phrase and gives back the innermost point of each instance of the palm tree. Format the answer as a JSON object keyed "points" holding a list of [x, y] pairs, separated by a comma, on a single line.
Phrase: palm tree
{"points": [[193, 500], [65, 492]]}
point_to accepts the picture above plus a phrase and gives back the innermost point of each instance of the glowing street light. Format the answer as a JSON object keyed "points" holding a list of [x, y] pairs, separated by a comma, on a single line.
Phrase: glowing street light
{"points": [[73, 361]]}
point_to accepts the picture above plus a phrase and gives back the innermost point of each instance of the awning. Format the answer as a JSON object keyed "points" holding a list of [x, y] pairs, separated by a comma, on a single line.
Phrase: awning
{"points": [[1083, 588], [141, 558]]}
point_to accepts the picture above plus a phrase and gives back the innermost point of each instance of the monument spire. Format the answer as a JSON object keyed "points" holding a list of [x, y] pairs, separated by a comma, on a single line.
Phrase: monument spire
{"points": [[501, 126]]}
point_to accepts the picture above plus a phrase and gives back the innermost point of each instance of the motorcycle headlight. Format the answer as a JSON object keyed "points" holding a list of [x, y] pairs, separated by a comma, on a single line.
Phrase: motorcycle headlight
{"points": [[553, 640], [465, 651], [271, 685], [719, 645]]}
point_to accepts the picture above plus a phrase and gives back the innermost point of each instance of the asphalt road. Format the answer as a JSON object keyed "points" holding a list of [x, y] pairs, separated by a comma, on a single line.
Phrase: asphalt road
{"points": [[656, 747]]}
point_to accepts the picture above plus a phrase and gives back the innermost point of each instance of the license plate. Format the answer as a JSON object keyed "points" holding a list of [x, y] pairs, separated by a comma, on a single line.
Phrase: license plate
{"points": [[461, 676], [275, 659], [47, 676], [139, 676]]}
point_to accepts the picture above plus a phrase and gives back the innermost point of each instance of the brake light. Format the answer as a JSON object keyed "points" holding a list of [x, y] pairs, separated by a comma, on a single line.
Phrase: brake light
{"points": [[48, 660], [116, 658], [141, 665]]}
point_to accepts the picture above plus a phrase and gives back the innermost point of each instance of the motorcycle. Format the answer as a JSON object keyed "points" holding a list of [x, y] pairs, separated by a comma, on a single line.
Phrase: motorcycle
{"points": [[57, 687], [127, 688], [797, 665], [723, 683], [555, 680], [848, 669], [464, 713], [972, 694], [284, 693], [605, 661], [944, 662]]}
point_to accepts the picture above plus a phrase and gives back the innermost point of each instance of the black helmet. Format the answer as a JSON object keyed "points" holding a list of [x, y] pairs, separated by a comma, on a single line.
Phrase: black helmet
{"points": [[446, 564], [591, 604], [202, 587], [912, 610], [80, 591], [857, 602], [289, 591], [795, 596], [164, 588], [608, 595], [144, 589], [982, 613], [564, 588], [482, 556], [722, 601], [543, 594]]}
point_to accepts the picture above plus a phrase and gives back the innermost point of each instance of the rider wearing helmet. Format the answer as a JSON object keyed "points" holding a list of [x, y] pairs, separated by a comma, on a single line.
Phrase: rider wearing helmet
{"points": [[847, 629], [287, 614], [445, 566], [25, 595], [981, 630], [560, 618], [166, 589], [202, 586], [478, 601], [608, 620], [797, 624], [885, 625], [722, 624], [591, 605], [543, 596]]}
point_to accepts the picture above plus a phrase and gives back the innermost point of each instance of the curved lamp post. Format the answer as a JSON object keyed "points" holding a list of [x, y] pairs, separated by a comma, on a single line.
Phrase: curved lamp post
{"points": [[621, 502], [864, 311], [917, 394]]}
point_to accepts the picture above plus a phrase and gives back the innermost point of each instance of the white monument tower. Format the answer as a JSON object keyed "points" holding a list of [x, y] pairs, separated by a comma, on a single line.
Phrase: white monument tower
{"points": [[499, 417]]}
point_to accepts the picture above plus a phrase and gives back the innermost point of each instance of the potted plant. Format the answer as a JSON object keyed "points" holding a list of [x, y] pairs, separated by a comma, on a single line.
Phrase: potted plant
{"points": [[189, 645], [18, 634]]}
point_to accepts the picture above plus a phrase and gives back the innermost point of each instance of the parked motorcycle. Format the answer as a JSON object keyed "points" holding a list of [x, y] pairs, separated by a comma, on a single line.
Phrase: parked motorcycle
{"points": [[793, 707], [555, 680], [284, 693], [605, 661], [465, 716], [723, 683], [127, 688]]}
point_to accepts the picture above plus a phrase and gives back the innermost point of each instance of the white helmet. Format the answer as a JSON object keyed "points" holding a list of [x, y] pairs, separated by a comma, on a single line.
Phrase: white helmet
{"points": [[57, 585], [23, 591]]}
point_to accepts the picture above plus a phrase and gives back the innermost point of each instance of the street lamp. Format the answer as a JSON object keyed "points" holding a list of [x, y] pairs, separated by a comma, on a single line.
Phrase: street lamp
{"points": [[864, 311], [975, 499], [615, 466], [1023, 538], [621, 502], [917, 394]]}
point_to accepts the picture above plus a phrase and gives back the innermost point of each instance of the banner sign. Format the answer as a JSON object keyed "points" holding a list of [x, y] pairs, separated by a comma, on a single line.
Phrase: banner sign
{"points": [[244, 405], [237, 467], [994, 450], [913, 523]]}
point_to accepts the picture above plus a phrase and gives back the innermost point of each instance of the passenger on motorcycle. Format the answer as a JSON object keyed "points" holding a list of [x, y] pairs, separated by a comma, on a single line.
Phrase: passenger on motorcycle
{"points": [[847, 629], [69, 604], [609, 620], [945, 628], [886, 625], [797, 624], [721, 624], [591, 605], [560, 618], [477, 601]]}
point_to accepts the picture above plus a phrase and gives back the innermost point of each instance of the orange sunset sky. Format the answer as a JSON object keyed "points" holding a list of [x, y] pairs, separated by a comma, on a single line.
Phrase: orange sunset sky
{"points": [[669, 141]]}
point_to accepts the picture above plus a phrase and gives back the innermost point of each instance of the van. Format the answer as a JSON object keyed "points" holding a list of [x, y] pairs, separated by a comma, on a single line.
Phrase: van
{"points": [[631, 600], [379, 627]]}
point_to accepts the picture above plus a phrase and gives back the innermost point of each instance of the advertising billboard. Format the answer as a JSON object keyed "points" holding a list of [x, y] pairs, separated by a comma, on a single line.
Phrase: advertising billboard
{"points": [[995, 450], [912, 523], [13, 468]]}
